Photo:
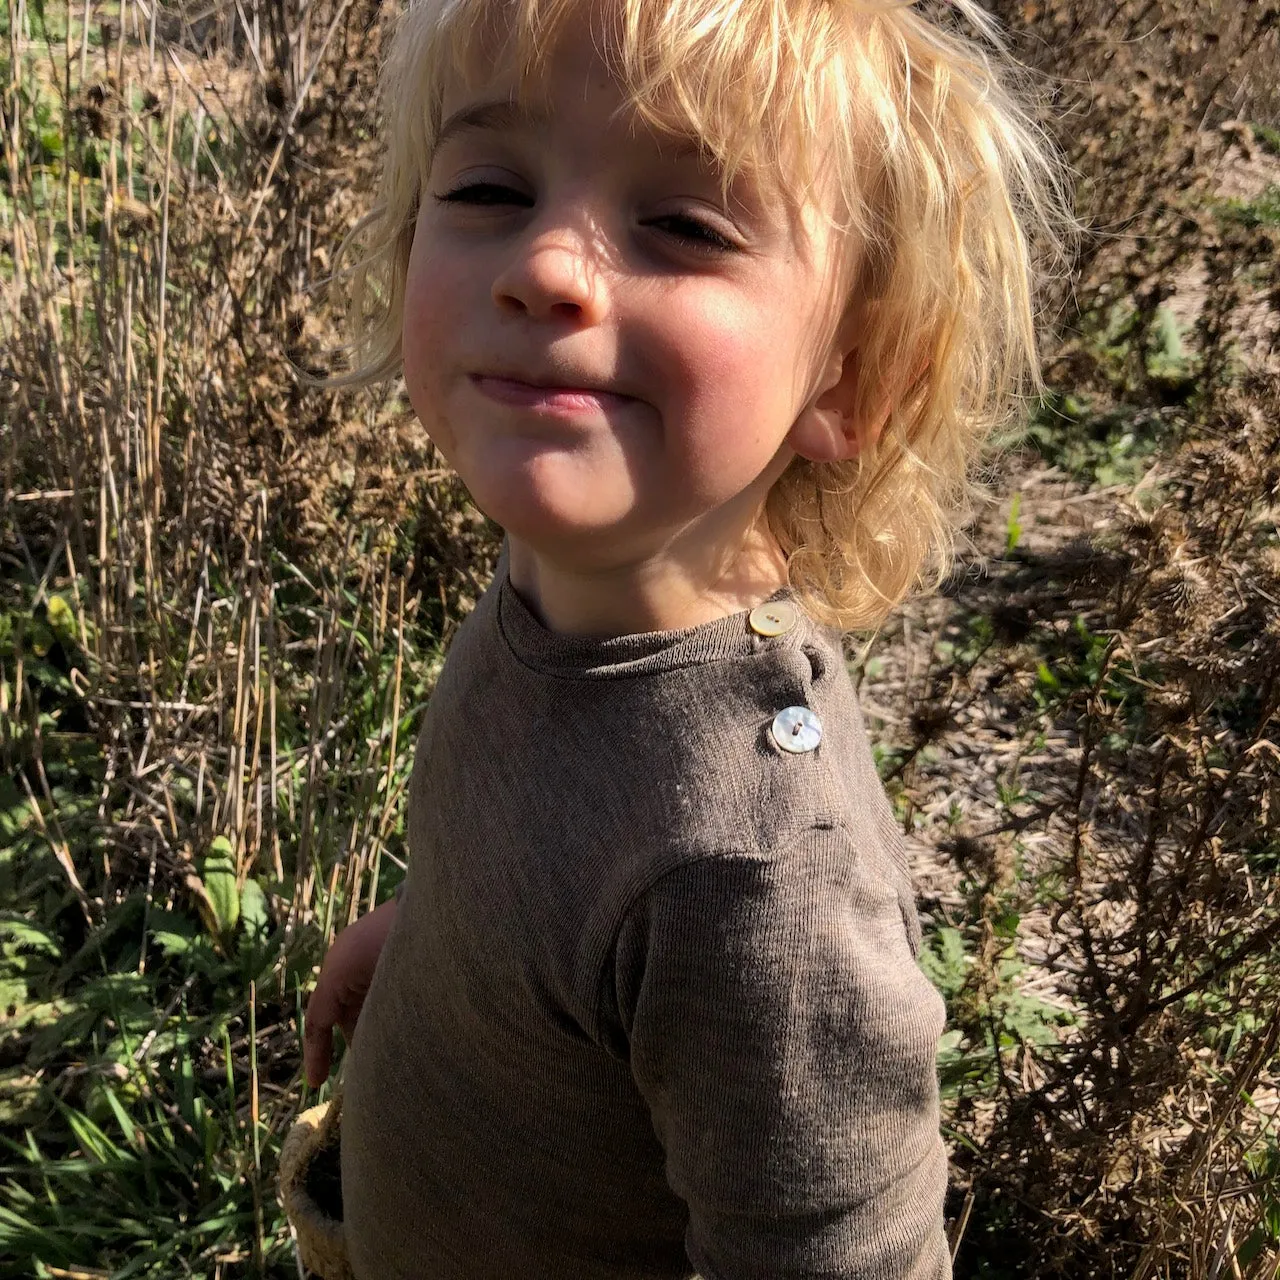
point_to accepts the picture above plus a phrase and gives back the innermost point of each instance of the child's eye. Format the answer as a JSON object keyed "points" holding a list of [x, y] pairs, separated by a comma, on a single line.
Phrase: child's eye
{"points": [[694, 232], [486, 193]]}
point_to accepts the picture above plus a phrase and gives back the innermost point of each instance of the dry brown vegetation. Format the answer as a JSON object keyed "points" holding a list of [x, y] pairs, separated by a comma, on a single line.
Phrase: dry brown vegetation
{"points": [[1105, 663], [224, 599]]}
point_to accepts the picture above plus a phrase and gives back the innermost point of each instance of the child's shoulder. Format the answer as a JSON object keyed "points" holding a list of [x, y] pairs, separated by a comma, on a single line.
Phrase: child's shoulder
{"points": [[735, 736], [764, 745]]}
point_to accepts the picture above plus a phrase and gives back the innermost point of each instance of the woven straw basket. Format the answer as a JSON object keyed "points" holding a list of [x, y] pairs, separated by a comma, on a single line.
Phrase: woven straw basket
{"points": [[321, 1243]]}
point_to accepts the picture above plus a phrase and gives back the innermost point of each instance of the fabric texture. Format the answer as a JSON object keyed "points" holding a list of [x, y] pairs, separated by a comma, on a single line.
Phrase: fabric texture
{"points": [[650, 1005]]}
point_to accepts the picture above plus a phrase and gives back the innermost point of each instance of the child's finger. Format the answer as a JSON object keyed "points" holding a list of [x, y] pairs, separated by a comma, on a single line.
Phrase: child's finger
{"points": [[317, 1052], [317, 1038]]}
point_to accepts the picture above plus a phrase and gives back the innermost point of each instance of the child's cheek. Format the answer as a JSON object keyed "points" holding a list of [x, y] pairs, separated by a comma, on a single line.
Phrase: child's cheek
{"points": [[732, 368], [417, 350], [427, 338]]}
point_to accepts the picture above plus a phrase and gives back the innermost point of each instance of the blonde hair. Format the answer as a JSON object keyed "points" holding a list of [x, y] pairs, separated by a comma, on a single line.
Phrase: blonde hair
{"points": [[945, 183]]}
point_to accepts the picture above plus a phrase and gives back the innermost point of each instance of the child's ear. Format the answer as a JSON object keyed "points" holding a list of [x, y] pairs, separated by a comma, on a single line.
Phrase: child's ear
{"points": [[827, 429], [830, 429]]}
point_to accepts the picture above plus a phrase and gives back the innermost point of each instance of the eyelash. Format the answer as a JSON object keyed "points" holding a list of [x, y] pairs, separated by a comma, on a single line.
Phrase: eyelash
{"points": [[471, 194], [695, 233], [690, 231]]}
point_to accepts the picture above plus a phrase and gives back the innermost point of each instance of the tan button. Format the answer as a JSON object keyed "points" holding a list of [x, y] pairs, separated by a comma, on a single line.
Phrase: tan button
{"points": [[774, 618]]}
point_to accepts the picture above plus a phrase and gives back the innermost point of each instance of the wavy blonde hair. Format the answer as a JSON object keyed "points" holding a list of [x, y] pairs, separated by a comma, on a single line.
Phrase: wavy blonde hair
{"points": [[955, 197]]}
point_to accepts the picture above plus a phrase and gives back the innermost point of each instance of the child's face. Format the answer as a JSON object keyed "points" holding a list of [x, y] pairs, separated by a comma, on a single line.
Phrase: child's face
{"points": [[615, 363]]}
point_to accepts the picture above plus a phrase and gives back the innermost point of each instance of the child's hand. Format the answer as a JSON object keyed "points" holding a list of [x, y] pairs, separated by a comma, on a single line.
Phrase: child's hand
{"points": [[341, 988]]}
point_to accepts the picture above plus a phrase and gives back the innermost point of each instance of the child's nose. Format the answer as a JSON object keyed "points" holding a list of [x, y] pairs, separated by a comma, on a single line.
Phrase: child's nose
{"points": [[554, 274]]}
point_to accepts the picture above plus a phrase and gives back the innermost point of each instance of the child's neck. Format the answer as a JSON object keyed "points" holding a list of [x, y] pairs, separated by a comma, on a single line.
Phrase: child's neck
{"points": [[659, 593]]}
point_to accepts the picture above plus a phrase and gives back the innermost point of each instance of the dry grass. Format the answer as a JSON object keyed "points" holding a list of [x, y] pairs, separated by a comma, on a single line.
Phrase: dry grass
{"points": [[212, 651]]}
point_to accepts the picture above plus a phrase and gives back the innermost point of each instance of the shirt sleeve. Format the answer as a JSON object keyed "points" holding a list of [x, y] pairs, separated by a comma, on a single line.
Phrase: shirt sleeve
{"points": [[785, 1041]]}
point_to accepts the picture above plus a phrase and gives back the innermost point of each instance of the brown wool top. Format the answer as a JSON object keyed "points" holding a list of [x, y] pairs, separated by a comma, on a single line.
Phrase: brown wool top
{"points": [[650, 1004]]}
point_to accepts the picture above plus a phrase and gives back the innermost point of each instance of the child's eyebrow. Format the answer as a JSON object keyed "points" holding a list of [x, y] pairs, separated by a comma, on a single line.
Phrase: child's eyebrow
{"points": [[504, 114], [498, 116]]}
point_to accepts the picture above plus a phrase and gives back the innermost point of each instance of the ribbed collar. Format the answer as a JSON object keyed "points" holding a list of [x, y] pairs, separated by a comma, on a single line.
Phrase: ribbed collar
{"points": [[571, 657]]}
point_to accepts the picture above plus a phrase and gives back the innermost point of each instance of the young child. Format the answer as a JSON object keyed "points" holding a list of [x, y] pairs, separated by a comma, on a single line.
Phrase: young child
{"points": [[709, 303]]}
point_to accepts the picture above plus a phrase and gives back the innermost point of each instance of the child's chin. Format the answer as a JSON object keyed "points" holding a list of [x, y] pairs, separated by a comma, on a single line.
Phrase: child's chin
{"points": [[559, 519]]}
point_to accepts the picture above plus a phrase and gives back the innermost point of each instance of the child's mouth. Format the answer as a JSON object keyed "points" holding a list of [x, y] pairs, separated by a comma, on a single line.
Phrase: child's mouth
{"points": [[563, 401]]}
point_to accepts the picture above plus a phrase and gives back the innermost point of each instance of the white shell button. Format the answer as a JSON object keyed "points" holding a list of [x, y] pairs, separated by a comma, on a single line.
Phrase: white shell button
{"points": [[796, 729], [774, 618]]}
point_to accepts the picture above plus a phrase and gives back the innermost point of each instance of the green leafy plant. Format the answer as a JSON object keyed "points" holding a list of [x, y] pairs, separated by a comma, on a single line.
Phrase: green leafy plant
{"points": [[988, 1015], [1013, 527], [1262, 211]]}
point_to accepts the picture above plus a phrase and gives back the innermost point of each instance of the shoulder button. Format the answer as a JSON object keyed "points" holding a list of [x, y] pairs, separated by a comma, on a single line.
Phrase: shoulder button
{"points": [[773, 618], [796, 729]]}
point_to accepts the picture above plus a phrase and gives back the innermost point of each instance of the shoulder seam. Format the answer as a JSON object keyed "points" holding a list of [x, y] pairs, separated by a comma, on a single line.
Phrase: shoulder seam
{"points": [[608, 945]]}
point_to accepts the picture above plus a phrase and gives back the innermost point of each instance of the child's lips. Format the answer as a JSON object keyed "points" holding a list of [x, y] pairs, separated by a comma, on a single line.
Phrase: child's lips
{"points": [[559, 400]]}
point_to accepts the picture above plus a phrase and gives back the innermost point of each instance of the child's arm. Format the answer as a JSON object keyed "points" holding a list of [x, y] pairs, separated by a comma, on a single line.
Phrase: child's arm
{"points": [[342, 986], [785, 1041]]}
